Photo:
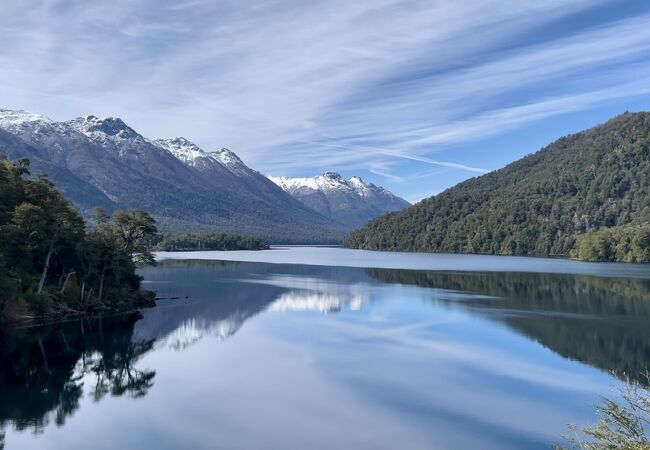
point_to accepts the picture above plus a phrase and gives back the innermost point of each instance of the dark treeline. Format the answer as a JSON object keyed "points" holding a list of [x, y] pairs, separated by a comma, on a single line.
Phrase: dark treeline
{"points": [[50, 264], [599, 321], [44, 371], [538, 205], [207, 241]]}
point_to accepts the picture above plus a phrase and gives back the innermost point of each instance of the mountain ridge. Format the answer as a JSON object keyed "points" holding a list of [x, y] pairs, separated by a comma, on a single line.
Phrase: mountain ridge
{"points": [[123, 169]]}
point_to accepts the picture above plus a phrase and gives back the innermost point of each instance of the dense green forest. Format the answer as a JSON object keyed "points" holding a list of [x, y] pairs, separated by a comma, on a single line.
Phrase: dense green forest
{"points": [[51, 265], [538, 205], [628, 243], [207, 241]]}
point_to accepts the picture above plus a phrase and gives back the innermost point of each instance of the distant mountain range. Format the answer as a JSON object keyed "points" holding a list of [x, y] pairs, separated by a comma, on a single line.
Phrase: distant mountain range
{"points": [[352, 202], [539, 205], [104, 162]]}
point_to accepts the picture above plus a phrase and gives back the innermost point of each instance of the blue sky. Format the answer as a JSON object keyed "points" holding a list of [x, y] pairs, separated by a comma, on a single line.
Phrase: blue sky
{"points": [[414, 95]]}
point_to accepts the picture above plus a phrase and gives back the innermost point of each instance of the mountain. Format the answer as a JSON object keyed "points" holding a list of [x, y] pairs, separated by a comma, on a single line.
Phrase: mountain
{"points": [[104, 162], [535, 206], [194, 156], [351, 202]]}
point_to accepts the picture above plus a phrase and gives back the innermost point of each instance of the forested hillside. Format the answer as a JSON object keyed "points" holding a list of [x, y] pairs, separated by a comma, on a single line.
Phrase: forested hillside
{"points": [[51, 265], [538, 205]]}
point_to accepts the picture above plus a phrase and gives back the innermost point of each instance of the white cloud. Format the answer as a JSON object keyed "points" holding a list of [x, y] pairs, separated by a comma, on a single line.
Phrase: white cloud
{"points": [[295, 86]]}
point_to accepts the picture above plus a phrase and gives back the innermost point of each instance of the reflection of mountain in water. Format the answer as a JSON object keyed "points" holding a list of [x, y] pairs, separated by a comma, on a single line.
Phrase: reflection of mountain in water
{"points": [[194, 329], [43, 370], [325, 303], [602, 322], [216, 297]]}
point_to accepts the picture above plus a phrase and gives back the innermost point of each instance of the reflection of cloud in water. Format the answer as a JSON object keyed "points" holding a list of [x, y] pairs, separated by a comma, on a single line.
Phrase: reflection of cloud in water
{"points": [[316, 301]]}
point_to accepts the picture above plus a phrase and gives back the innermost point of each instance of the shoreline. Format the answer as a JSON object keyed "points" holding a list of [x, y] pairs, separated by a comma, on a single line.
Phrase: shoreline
{"points": [[57, 318], [375, 259]]}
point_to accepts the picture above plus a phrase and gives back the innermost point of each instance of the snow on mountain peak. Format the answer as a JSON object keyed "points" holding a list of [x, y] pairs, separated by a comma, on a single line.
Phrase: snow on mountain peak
{"points": [[329, 181], [195, 156], [33, 128], [104, 128], [352, 202], [9, 118], [228, 159], [181, 148]]}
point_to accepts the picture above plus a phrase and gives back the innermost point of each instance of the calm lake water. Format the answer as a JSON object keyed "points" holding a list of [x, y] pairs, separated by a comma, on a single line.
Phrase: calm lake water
{"points": [[322, 348]]}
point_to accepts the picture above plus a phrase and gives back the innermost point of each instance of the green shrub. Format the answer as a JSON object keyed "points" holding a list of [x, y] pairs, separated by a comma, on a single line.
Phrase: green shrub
{"points": [[623, 423]]}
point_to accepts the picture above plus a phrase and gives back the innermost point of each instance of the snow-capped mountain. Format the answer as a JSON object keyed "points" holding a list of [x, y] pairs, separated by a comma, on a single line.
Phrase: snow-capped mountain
{"points": [[104, 162], [192, 155], [352, 202]]}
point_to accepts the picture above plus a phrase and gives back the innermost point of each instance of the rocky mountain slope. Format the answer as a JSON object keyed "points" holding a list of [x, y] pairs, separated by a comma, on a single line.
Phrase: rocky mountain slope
{"points": [[595, 179], [104, 162], [352, 202]]}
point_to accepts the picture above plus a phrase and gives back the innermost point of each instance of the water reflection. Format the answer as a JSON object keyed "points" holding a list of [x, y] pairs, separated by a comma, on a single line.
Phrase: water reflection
{"points": [[346, 357], [215, 298], [598, 321], [325, 303], [45, 370]]}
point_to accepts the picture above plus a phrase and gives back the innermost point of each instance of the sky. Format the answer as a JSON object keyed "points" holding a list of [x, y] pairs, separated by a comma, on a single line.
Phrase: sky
{"points": [[413, 95]]}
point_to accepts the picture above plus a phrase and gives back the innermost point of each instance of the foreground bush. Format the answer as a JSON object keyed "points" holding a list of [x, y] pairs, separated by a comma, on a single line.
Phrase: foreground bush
{"points": [[622, 425]]}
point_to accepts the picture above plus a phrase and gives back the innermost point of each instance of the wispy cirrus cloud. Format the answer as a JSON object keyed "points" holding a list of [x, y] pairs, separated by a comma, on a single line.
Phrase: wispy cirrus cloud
{"points": [[300, 87]]}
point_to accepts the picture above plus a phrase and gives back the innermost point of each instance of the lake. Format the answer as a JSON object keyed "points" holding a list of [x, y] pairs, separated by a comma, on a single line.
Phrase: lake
{"points": [[322, 348]]}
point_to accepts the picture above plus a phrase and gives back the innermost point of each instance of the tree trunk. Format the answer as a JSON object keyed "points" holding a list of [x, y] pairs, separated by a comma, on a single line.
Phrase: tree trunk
{"points": [[101, 283], [65, 282], [83, 288], [46, 266], [62, 276], [50, 251]]}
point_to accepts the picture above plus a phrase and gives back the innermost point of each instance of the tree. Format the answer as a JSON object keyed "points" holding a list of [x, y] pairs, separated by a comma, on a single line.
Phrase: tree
{"points": [[43, 223], [60, 224], [132, 229], [50, 264], [622, 424], [627, 243]]}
